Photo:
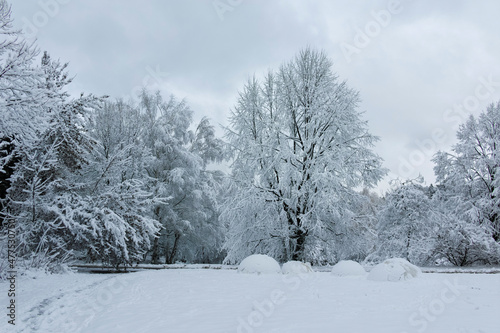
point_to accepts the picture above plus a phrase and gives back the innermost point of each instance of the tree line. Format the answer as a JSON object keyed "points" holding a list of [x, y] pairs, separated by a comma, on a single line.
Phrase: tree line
{"points": [[124, 182]]}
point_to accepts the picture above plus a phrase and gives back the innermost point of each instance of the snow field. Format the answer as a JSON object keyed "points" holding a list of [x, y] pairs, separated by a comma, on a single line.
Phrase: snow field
{"points": [[225, 301]]}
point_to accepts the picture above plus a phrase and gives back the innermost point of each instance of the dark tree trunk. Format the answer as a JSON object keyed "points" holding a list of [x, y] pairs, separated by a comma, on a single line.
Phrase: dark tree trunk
{"points": [[298, 253], [496, 229], [408, 238], [155, 257], [170, 257], [297, 233]]}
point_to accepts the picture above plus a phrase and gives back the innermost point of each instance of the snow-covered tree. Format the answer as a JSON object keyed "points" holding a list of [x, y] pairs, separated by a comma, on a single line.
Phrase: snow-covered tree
{"points": [[457, 221], [459, 239], [364, 221], [107, 181], [177, 172], [469, 179], [472, 169], [117, 200], [405, 225], [21, 121], [68, 117], [30, 98], [300, 148], [42, 196], [52, 170]]}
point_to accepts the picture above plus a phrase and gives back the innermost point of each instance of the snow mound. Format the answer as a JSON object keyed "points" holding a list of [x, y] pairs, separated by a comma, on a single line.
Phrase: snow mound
{"points": [[395, 269], [296, 267], [348, 268], [259, 264]]}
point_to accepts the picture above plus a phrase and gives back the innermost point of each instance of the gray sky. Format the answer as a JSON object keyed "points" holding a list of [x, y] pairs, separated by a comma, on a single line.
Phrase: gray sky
{"points": [[421, 66]]}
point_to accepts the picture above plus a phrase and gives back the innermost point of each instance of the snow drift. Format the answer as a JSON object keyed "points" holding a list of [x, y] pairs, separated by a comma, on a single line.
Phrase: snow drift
{"points": [[395, 269], [296, 267], [259, 264], [348, 268]]}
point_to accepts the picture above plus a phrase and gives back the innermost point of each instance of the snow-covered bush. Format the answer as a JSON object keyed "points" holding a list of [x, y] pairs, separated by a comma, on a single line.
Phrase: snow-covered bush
{"points": [[259, 264], [296, 267], [463, 243], [348, 268], [395, 269]]}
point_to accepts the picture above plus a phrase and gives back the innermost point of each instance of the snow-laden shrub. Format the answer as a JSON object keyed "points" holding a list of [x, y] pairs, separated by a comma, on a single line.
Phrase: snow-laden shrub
{"points": [[259, 264], [296, 267], [348, 268], [395, 269]]}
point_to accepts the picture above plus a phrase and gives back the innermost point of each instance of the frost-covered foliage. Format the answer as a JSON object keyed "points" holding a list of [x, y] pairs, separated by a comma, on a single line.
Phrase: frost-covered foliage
{"points": [[116, 200], [459, 241], [21, 90], [123, 182], [178, 172], [456, 222], [300, 147], [468, 179], [405, 225], [151, 193], [471, 171], [45, 196], [42, 147], [109, 181], [21, 122]]}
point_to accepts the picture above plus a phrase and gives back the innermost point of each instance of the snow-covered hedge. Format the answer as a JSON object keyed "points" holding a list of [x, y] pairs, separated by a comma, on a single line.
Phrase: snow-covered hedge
{"points": [[395, 269], [348, 268], [259, 264], [296, 267]]}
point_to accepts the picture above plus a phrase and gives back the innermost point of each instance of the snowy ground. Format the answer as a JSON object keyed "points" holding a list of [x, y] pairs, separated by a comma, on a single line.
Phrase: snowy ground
{"points": [[205, 300]]}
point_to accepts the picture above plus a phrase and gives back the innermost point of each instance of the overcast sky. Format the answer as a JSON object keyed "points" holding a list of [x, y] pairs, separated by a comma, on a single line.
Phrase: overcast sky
{"points": [[420, 65]]}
